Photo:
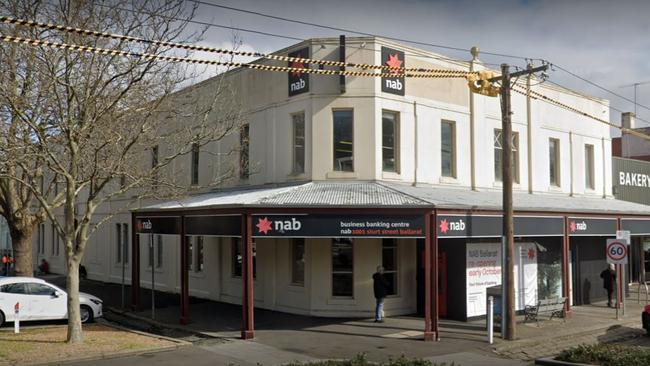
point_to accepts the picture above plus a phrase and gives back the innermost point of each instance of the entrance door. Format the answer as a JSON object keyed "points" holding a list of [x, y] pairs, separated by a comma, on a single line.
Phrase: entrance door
{"points": [[442, 280]]}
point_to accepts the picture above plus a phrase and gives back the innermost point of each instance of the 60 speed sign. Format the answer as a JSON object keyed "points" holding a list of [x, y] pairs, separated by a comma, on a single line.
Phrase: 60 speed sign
{"points": [[616, 251]]}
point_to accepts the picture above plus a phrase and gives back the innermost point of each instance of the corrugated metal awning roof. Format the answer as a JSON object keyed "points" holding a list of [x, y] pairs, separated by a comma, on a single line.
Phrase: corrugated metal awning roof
{"points": [[394, 195]]}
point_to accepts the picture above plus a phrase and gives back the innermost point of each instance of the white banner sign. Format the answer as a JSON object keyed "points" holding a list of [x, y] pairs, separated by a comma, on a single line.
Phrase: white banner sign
{"points": [[483, 270]]}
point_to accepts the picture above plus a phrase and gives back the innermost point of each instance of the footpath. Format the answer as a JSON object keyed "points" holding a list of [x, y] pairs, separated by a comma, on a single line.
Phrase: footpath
{"points": [[282, 338]]}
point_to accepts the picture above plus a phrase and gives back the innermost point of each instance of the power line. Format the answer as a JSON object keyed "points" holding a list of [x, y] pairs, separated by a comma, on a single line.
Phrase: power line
{"points": [[276, 35], [338, 29], [599, 86], [413, 42], [149, 56], [87, 32]]}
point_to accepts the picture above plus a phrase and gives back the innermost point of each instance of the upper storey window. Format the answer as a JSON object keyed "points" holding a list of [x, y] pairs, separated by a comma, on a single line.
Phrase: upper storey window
{"points": [[390, 141], [343, 140]]}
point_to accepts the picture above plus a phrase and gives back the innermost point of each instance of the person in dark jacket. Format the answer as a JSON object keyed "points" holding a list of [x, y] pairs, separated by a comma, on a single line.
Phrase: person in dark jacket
{"points": [[609, 282], [380, 287]]}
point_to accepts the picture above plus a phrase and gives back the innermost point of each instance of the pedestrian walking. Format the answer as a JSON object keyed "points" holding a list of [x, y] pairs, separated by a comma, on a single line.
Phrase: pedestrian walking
{"points": [[609, 282], [380, 287]]}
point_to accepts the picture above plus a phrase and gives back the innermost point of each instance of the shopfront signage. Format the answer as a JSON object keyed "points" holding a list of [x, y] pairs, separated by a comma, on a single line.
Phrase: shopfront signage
{"points": [[215, 225], [474, 226], [631, 179], [298, 81], [592, 226], [158, 225], [394, 59], [636, 226], [332, 226]]}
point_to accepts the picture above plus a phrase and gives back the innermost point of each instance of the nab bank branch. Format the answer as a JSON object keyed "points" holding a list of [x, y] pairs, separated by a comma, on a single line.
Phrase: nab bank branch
{"points": [[348, 173]]}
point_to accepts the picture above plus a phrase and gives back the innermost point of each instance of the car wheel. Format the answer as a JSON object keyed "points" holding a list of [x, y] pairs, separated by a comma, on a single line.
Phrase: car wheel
{"points": [[2, 318], [86, 314]]}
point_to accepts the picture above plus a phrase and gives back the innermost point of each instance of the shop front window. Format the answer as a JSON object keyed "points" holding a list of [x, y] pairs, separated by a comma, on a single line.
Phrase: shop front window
{"points": [[342, 268], [389, 262], [238, 258]]}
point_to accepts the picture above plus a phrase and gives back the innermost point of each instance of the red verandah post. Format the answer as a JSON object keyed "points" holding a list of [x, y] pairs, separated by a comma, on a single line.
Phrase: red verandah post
{"points": [[565, 268], [428, 238], [247, 331], [436, 272]]}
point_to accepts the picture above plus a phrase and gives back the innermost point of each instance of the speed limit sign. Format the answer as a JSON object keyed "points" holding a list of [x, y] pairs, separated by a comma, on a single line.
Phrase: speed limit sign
{"points": [[616, 251]]}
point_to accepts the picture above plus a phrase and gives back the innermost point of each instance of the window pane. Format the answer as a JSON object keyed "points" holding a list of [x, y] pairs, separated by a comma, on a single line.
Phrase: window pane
{"points": [[342, 267], [554, 162], [390, 263], [244, 143], [190, 252], [237, 258], [498, 158], [199, 254], [151, 248], [390, 144], [118, 242], [343, 141], [342, 284], [299, 143], [40, 289], [589, 166], [447, 149], [298, 261], [159, 251], [125, 242], [342, 255], [15, 288], [195, 164]]}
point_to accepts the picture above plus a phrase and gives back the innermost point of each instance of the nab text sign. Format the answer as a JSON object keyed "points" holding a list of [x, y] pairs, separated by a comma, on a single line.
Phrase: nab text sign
{"points": [[616, 251]]}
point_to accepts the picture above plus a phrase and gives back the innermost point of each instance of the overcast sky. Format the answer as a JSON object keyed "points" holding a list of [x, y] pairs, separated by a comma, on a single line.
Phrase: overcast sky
{"points": [[607, 42]]}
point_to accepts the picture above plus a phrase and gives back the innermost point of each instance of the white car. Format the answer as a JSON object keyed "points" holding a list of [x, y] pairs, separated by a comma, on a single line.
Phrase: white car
{"points": [[40, 300]]}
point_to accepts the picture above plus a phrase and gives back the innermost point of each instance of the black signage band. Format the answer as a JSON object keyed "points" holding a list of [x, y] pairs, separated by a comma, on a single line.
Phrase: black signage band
{"points": [[584, 226], [170, 225], [332, 226], [217, 225], [474, 226], [636, 226]]}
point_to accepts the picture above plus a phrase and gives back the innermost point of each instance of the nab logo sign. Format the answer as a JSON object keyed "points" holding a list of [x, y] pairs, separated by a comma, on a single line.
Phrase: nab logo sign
{"points": [[394, 59], [446, 226], [298, 81], [577, 226], [146, 225], [264, 226]]}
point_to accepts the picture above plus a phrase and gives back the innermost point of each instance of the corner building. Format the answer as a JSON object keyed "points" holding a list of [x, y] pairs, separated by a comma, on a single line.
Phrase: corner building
{"points": [[348, 173]]}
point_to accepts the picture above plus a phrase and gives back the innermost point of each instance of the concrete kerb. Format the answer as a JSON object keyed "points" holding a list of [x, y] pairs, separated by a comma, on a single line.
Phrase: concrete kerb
{"points": [[549, 361], [162, 325]]}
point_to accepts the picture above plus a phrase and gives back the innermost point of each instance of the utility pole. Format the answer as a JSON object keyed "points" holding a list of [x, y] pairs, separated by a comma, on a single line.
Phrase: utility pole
{"points": [[508, 282]]}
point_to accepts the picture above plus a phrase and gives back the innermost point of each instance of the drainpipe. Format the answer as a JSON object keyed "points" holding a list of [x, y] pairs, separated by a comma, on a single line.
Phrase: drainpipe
{"points": [[529, 129], [570, 163], [472, 122], [415, 138]]}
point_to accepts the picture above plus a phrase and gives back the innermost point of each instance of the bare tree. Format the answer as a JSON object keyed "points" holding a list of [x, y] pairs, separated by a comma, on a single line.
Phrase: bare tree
{"points": [[82, 129]]}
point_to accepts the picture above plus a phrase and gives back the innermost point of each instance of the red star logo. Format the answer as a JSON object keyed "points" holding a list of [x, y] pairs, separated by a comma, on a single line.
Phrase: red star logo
{"points": [[394, 63], [444, 226], [297, 65], [264, 225], [573, 227], [531, 253]]}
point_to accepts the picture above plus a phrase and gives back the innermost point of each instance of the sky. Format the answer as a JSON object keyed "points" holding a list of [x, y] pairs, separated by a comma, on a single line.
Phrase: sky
{"points": [[607, 42]]}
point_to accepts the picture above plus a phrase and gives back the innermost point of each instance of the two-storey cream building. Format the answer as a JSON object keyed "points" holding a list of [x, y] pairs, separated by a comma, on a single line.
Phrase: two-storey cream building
{"points": [[347, 173]]}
